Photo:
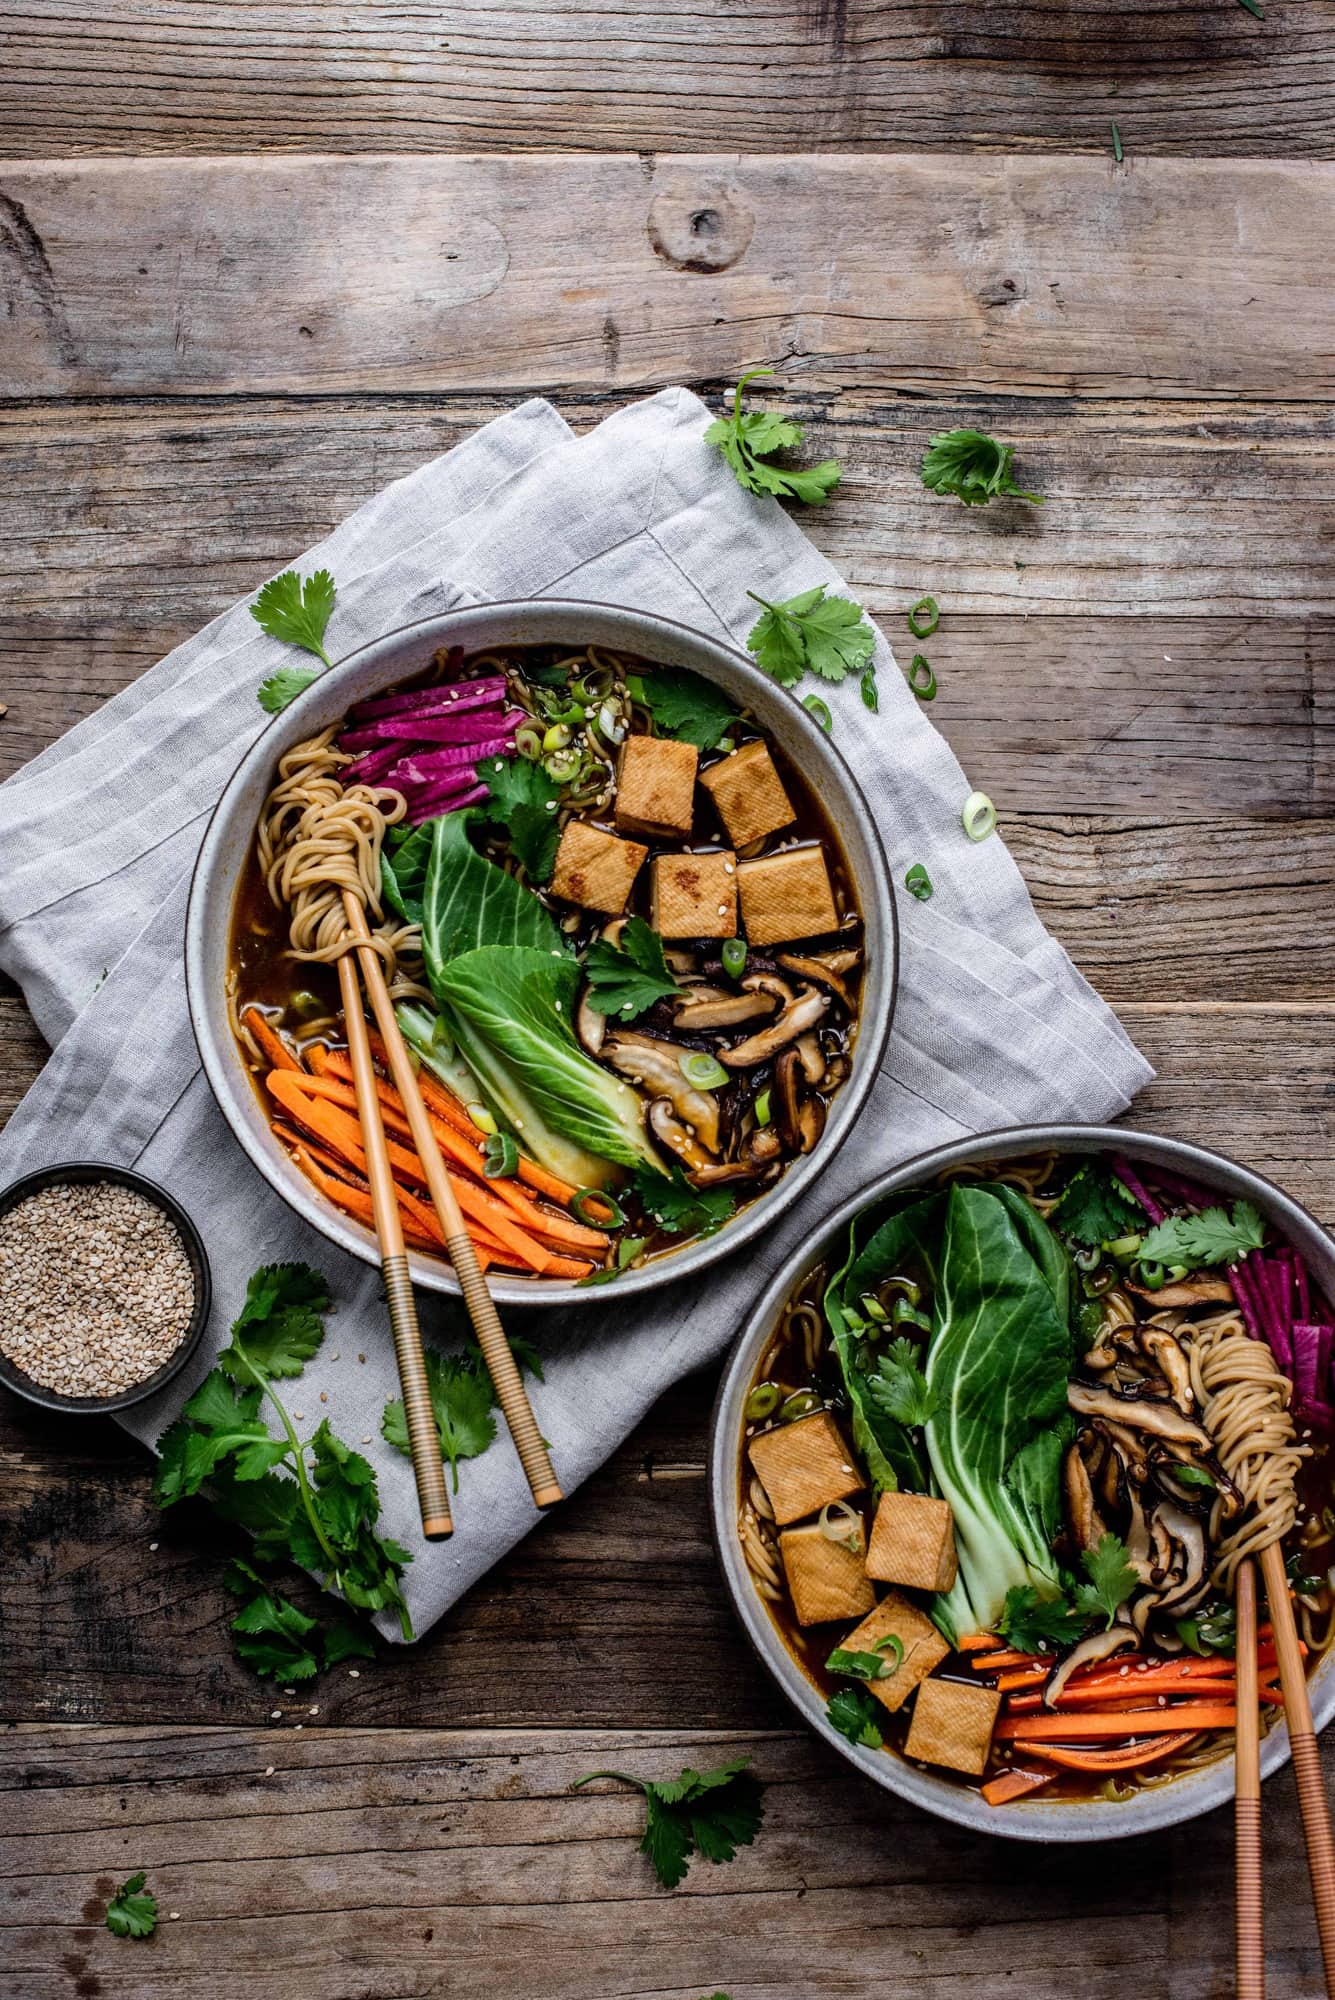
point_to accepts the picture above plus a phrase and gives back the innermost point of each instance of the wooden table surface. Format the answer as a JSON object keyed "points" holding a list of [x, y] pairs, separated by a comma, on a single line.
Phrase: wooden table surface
{"points": [[259, 257]]}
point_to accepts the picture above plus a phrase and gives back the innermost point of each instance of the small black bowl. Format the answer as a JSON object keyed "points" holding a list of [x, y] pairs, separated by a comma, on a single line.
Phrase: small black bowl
{"points": [[82, 1172]]}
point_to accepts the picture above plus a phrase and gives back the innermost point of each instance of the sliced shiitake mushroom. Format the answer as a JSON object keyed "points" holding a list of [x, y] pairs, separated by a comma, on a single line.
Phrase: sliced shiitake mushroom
{"points": [[1138, 1413], [676, 1139], [590, 1025], [818, 972], [812, 1057], [656, 1067], [1098, 1646], [802, 1011], [1086, 1523], [714, 1009]]}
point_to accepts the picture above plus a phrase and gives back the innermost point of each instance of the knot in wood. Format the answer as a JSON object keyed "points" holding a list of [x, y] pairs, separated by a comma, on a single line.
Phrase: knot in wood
{"points": [[699, 229]]}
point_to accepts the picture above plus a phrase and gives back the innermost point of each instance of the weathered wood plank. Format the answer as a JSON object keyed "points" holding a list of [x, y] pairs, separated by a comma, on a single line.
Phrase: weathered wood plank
{"points": [[399, 1863], [349, 77], [1161, 277]]}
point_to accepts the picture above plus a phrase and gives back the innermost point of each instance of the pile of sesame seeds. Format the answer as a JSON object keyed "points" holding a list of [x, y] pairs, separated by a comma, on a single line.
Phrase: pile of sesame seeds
{"points": [[96, 1290]]}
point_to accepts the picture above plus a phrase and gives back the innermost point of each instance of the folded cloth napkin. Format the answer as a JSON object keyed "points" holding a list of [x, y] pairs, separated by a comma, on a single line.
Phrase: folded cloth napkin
{"points": [[994, 1024]]}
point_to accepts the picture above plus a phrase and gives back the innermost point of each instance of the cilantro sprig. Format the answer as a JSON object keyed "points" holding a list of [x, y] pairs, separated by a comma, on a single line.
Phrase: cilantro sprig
{"points": [[1213, 1237], [133, 1910], [709, 1813], [462, 1402], [683, 705], [811, 632], [1037, 1624], [626, 978], [1095, 1207], [855, 1714], [679, 1208], [974, 467], [898, 1386], [524, 800], [298, 613], [749, 442]]}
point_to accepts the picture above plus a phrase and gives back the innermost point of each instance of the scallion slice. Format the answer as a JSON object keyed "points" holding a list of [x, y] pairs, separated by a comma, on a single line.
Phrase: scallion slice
{"points": [[762, 1108], [870, 698], [762, 1402], [704, 1071], [611, 1216], [816, 707], [979, 817], [924, 618], [733, 955], [918, 882], [921, 678], [500, 1157]]}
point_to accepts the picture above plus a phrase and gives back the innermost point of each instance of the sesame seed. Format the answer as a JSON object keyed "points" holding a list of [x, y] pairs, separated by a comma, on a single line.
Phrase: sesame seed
{"points": [[314, 1709], [151, 1547], [353, 1674], [324, 1395], [275, 1715], [268, 1770], [173, 1916], [361, 1357], [368, 1439]]}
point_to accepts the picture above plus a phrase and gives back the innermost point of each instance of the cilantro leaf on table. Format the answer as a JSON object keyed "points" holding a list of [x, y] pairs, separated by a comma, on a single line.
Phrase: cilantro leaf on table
{"points": [[297, 613], [133, 1910], [898, 1386], [856, 1714], [828, 636], [1111, 1579], [1213, 1237], [683, 705], [749, 442], [269, 1632], [710, 1813], [462, 1401], [679, 1208], [972, 466], [523, 800], [626, 978], [1095, 1207]]}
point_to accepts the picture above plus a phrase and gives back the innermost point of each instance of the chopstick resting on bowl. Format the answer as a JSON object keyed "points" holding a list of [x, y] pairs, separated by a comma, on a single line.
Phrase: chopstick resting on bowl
{"points": [[1250, 1921]]}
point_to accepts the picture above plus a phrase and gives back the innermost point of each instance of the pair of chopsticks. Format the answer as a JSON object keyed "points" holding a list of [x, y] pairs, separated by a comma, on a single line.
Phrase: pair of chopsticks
{"points": [[423, 1437], [1312, 1800]]}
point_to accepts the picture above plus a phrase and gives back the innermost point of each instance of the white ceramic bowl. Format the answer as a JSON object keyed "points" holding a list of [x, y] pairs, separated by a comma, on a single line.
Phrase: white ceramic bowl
{"points": [[394, 658], [1026, 1819]]}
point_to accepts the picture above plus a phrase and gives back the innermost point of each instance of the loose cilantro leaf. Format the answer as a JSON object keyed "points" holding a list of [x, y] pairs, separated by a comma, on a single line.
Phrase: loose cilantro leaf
{"points": [[1212, 1237], [1111, 1579], [683, 705], [829, 636], [1037, 1624], [1195, 1475], [679, 1208], [974, 467], [624, 979], [899, 1388], [298, 613], [462, 1399], [280, 1321], [283, 686], [1213, 1630], [345, 1641], [132, 1911], [524, 801], [269, 1632], [855, 1714], [1095, 1207], [710, 1813], [749, 442]]}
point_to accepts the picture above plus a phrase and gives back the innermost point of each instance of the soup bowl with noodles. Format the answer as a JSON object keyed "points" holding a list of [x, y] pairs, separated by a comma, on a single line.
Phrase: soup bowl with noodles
{"points": [[989, 1452]]}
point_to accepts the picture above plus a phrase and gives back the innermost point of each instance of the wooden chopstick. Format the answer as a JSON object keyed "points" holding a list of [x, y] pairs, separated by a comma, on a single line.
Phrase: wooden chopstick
{"points": [[423, 1437], [510, 1390], [1312, 1799], [1250, 1922]]}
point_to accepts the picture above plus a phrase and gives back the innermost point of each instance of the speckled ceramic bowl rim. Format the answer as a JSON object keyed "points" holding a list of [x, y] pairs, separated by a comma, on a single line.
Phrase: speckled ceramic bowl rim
{"points": [[83, 1172], [534, 621], [1185, 1797]]}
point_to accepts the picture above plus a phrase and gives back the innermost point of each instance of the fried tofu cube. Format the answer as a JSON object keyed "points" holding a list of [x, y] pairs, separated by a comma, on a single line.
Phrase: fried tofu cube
{"points": [[825, 1579], [595, 869], [656, 787], [786, 896], [913, 1542], [803, 1466], [924, 1648], [748, 793], [952, 1725], [695, 895]]}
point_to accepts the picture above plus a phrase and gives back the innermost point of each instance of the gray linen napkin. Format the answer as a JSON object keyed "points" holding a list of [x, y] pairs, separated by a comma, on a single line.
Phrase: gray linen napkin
{"points": [[994, 1026]]}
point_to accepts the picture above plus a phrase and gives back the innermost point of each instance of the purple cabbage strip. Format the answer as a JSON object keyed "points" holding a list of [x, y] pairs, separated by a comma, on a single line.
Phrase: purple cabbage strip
{"points": [[1178, 1189], [1305, 1362], [1273, 1317], [427, 805], [370, 770], [483, 693], [446, 786], [443, 728], [1319, 1415], [1135, 1186], [1304, 1290], [1240, 1279], [429, 766]]}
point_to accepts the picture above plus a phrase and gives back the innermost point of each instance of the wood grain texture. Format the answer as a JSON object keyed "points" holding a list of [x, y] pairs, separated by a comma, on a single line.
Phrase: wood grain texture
{"points": [[168, 76], [393, 1865], [1161, 277]]}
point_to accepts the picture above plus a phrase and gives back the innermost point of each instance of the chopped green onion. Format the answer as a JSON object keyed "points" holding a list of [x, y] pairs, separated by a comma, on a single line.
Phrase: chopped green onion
{"points": [[871, 699], [910, 1288], [500, 1157], [628, 1249], [1152, 1276], [1087, 1258], [921, 678], [762, 1402], [874, 1309], [528, 741], [815, 706], [762, 1108], [612, 1216], [1100, 1282], [904, 1314], [733, 955], [891, 1643], [864, 1666], [801, 1404], [704, 1071], [918, 882], [1123, 1246], [307, 1004], [481, 1117], [922, 627], [979, 816], [557, 736], [1117, 143]]}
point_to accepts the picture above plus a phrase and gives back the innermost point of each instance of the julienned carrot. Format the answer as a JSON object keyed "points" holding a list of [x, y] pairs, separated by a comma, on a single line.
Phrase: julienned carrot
{"points": [[1132, 1758], [272, 1043], [1075, 1701], [1115, 1722], [978, 1642], [990, 1663], [1023, 1677], [353, 1200], [1014, 1785]]}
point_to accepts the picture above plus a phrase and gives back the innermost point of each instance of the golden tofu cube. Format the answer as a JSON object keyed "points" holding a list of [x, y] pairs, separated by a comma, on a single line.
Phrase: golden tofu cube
{"points": [[656, 787], [913, 1542], [595, 869], [748, 793], [804, 1465], [695, 895], [952, 1725], [924, 1648], [825, 1579], [786, 896]]}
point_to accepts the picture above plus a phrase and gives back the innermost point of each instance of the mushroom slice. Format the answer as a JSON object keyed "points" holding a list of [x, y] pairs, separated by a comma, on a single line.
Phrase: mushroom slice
{"points": [[812, 1058], [762, 1145], [590, 1025], [656, 1067], [1190, 1292], [1098, 1646], [787, 1099], [818, 972], [1086, 1524], [719, 1171], [1137, 1413], [1188, 1536], [804, 1011], [722, 1010], [847, 959], [676, 1139], [810, 1124], [1137, 1535]]}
